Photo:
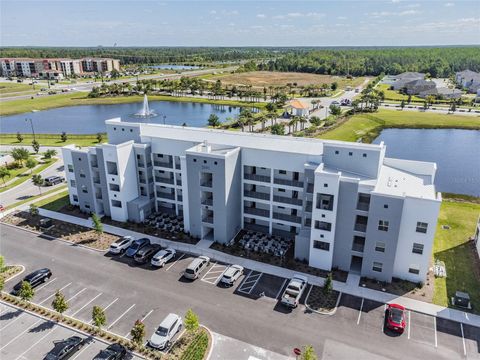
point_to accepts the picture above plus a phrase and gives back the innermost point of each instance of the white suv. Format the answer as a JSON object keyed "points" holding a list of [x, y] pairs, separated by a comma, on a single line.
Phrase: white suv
{"points": [[162, 337], [196, 267], [121, 245], [163, 256], [231, 274]]}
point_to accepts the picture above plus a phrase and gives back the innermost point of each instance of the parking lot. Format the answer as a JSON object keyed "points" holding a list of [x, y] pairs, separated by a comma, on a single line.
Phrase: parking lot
{"points": [[248, 311], [26, 336]]}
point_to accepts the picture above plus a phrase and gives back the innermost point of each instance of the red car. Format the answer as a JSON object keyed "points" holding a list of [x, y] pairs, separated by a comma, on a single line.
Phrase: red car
{"points": [[396, 318]]}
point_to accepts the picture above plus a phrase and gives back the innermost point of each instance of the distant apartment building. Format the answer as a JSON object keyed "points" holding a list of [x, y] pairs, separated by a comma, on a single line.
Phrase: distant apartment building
{"points": [[344, 204], [67, 67]]}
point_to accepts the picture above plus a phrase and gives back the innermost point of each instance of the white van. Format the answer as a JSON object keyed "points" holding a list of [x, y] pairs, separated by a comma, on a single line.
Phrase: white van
{"points": [[196, 267]]}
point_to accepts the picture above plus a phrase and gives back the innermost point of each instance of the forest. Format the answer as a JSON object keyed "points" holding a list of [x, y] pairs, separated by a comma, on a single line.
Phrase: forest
{"points": [[355, 61]]}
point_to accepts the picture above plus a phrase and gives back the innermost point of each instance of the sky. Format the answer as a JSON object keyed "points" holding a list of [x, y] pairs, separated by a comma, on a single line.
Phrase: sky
{"points": [[239, 23]]}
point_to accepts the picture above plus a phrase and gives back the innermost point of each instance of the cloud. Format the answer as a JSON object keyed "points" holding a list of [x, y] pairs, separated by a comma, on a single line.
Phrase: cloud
{"points": [[381, 14], [412, 6], [449, 4], [213, 12], [299, 14], [261, 16], [408, 12], [342, 18]]}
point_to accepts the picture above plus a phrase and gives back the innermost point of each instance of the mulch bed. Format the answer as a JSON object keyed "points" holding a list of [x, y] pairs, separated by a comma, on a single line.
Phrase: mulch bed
{"points": [[318, 301], [76, 234], [9, 271]]}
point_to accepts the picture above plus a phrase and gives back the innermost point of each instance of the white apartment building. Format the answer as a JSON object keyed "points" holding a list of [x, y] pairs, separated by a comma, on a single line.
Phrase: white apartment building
{"points": [[346, 205]]}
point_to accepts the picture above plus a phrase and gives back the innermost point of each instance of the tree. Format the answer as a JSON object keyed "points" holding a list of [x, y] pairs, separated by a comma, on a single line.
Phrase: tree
{"points": [[38, 181], [31, 163], [33, 210], [191, 321], [49, 153], [26, 292], [328, 285], [308, 353], [213, 120], [453, 107], [277, 129], [138, 332], [97, 224], [35, 146], [4, 172], [98, 317], [64, 136], [99, 137], [2, 264], [315, 120], [19, 137], [20, 155], [402, 104], [59, 303], [334, 86], [335, 110]]}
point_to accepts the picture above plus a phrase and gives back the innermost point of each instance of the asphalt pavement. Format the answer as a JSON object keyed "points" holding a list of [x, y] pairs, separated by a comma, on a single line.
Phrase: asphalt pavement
{"points": [[249, 311]]}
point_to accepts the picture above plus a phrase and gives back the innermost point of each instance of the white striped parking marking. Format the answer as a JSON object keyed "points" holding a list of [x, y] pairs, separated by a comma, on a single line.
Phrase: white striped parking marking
{"points": [[214, 275], [85, 347], [63, 288], [463, 339], [250, 284], [142, 320], [78, 293], [126, 311], [360, 312], [84, 306], [181, 257], [36, 342], [113, 302], [44, 285], [435, 328], [20, 334]]}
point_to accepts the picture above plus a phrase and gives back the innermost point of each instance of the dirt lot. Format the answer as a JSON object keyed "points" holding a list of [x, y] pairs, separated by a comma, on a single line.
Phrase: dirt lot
{"points": [[270, 78]]}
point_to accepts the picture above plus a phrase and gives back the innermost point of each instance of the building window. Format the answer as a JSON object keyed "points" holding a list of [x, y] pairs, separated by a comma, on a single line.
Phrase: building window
{"points": [[422, 227], [70, 168], [417, 248], [215, 162], [383, 225], [385, 206], [116, 203], [73, 183], [84, 189], [322, 225], [380, 246], [337, 152], [364, 155], [324, 201], [281, 190], [138, 157], [204, 161], [350, 153], [377, 266], [414, 269], [87, 206], [282, 172], [321, 245], [75, 198], [131, 130], [325, 185], [194, 160]]}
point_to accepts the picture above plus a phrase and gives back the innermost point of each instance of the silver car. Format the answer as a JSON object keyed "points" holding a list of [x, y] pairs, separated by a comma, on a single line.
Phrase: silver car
{"points": [[231, 274], [163, 336], [163, 256], [121, 245], [196, 267]]}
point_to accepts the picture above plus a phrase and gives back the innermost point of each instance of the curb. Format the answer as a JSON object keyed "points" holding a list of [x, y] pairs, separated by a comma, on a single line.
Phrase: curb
{"points": [[54, 238], [64, 325], [328, 313], [211, 345], [14, 276]]}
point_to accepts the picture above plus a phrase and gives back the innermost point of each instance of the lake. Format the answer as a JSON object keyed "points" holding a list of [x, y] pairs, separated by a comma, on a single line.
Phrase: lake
{"points": [[174, 67], [456, 152], [90, 119]]}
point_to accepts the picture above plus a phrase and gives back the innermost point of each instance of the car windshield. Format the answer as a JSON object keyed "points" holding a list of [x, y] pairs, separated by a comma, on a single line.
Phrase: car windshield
{"points": [[135, 245], [161, 331], [189, 271], [226, 276], [397, 315]]}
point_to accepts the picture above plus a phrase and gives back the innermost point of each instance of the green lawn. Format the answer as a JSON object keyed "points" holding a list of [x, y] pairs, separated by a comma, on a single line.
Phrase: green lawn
{"points": [[21, 178], [395, 95], [55, 101], [452, 247], [50, 203], [368, 126], [50, 140], [13, 87]]}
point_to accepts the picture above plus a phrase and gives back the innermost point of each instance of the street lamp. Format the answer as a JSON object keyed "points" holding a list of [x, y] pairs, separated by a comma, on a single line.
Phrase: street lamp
{"points": [[31, 124]]}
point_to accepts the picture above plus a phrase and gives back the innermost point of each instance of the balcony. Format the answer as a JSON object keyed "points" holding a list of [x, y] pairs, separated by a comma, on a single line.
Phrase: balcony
{"points": [[358, 247], [179, 182], [363, 206], [177, 166], [255, 211], [142, 180], [94, 164], [163, 195], [96, 180], [308, 206], [163, 164], [208, 219], [287, 182], [164, 180], [140, 163], [361, 227], [310, 188], [287, 217], [256, 195], [208, 202], [286, 200], [254, 177], [206, 183], [179, 197]]}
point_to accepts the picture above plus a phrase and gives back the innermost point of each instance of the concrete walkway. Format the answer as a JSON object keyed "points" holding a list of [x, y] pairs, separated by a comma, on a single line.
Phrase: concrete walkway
{"points": [[350, 287]]}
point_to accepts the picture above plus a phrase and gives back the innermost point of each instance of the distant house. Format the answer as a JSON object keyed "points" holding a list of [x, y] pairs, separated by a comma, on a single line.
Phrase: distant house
{"points": [[443, 92], [399, 81], [296, 108], [419, 86], [469, 80]]}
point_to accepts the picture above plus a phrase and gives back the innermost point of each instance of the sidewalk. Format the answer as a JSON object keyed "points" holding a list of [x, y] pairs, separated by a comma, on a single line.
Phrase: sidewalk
{"points": [[350, 288]]}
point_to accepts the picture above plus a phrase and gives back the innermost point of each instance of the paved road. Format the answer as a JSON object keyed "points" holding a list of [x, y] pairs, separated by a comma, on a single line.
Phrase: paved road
{"points": [[133, 292]]}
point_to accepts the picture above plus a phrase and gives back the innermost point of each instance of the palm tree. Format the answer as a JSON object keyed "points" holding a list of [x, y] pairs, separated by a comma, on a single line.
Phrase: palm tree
{"points": [[4, 172], [302, 121]]}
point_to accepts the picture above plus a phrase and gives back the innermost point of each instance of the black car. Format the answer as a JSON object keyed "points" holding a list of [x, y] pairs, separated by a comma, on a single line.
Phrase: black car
{"points": [[146, 253], [63, 349], [112, 352], [136, 246], [35, 279]]}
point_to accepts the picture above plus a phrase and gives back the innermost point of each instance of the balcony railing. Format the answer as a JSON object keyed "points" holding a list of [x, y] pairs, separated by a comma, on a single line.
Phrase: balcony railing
{"points": [[255, 177], [94, 164], [163, 180], [163, 164], [142, 180], [206, 183], [207, 202], [141, 163], [308, 207], [287, 217], [358, 247], [256, 195], [287, 182], [164, 195], [179, 182], [360, 227], [255, 211], [177, 166], [286, 200], [179, 197], [363, 206], [310, 188], [96, 180], [208, 219]]}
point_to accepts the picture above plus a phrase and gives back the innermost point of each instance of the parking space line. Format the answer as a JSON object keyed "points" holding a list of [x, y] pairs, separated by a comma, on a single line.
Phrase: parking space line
{"points": [[63, 288], [360, 312], [173, 264], [44, 285], [247, 280], [113, 302], [435, 328], [84, 306], [463, 339], [409, 321], [113, 323], [281, 288], [20, 334], [36, 342], [142, 320], [215, 275], [78, 293], [85, 347]]}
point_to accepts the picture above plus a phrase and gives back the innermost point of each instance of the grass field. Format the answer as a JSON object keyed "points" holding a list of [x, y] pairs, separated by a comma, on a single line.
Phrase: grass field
{"points": [[368, 126], [55, 101], [50, 140], [452, 247], [270, 78], [395, 95], [50, 203], [12, 87], [26, 175]]}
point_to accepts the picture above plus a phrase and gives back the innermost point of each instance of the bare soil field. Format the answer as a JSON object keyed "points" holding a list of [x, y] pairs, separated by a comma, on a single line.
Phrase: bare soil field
{"points": [[272, 78]]}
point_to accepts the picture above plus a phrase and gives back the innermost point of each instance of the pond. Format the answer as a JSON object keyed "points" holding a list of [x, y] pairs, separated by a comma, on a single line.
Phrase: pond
{"points": [[174, 67], [456, 152], [90, 119]]}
